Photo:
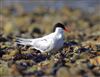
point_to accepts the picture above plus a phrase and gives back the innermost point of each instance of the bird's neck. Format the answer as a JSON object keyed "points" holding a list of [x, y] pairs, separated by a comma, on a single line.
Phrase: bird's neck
{"points": [[59, 31]]}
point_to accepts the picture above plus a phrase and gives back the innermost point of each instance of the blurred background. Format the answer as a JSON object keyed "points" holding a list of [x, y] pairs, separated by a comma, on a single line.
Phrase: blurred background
{"points": [[35, 18], [86, 5], [21, 16]]}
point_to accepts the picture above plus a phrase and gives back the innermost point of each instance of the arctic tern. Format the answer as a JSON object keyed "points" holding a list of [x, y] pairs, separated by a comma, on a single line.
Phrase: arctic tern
{"points": [[51, 42]]}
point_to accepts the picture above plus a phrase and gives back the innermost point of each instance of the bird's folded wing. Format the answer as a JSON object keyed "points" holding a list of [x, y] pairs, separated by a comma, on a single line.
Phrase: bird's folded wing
{"points": [[43, 44]]}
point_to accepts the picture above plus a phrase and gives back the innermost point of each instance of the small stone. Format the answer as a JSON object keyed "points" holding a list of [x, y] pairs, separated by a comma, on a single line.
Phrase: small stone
{"points": [[95, 61], [14, 71], [63, 72]]}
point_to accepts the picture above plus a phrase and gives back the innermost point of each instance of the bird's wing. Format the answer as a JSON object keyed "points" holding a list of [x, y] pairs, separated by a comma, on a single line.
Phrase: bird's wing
{"points": [[43, 44]]}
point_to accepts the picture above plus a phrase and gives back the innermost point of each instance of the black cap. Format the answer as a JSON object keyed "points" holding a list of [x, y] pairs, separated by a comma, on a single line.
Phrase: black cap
{"points": [[59, 25]]}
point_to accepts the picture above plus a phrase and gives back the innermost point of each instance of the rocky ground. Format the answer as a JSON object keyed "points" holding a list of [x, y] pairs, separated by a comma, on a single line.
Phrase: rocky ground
{"points": [[79, 57]]}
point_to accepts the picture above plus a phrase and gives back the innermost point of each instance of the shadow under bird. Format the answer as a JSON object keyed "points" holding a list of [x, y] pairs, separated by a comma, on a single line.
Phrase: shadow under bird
{"points": [[51, 42]]}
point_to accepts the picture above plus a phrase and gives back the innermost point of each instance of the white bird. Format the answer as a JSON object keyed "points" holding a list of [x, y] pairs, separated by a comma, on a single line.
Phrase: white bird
{"points": [[51, 42]]}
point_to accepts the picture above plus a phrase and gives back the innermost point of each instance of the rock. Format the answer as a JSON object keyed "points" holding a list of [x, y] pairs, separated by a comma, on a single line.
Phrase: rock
{"points": [[14, 70], [63, 72], [6, 57], [98, 47], [95, 61]]}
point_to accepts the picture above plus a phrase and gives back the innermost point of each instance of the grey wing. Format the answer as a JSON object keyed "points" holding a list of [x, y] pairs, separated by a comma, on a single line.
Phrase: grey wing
{"points": [[43, 44]]}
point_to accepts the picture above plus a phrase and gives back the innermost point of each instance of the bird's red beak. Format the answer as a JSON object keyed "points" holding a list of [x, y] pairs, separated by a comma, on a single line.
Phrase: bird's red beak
{"points": [[67, 29]]}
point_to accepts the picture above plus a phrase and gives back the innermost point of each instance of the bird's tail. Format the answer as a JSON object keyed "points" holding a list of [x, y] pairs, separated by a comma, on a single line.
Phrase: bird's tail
{"points": [[22, 41]]}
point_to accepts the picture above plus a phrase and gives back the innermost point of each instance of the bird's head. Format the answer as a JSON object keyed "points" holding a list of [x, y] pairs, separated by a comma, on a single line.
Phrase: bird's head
{"points": [[62, 26]]}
